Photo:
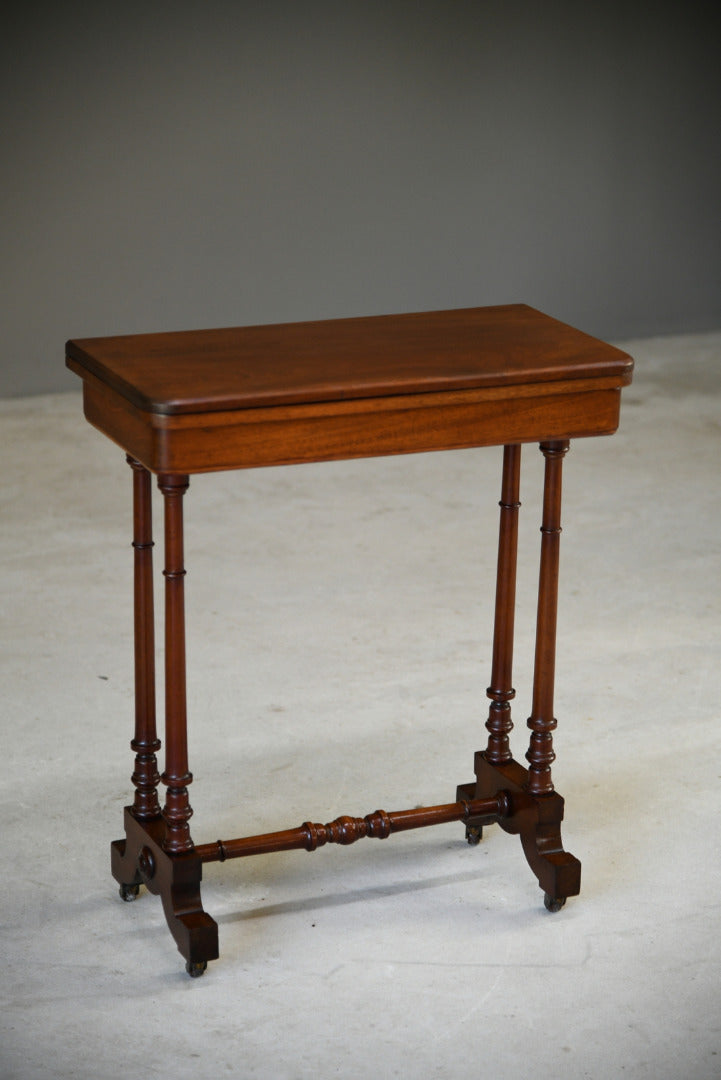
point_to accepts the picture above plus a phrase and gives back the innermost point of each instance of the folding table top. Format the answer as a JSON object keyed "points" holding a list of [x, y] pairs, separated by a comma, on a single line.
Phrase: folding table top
{"points": [[341, 359], [200, 400]]}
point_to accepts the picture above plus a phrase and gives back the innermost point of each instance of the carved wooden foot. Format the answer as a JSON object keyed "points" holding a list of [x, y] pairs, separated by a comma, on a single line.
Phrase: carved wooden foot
{"points": [[140, 859], [536, 819]]}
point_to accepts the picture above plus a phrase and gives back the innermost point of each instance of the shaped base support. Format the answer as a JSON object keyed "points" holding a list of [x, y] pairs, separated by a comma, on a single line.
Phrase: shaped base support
{"points": [[536, 819], [139, 859]]}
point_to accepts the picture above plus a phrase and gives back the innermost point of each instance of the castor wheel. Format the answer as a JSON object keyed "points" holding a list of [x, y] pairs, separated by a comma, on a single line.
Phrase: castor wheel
{"points": [[474, 834], [129, 892], [553, 903], [195, 968]]}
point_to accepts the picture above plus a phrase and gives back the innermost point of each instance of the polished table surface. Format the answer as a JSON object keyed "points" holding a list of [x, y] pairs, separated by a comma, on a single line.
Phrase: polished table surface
{"points": [[196, 401], [192, 401]]}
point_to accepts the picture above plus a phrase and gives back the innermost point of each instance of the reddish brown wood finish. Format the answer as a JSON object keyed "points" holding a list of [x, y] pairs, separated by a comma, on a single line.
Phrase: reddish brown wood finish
{"points": [[146, 743], [537, 821], [177, 810], [327, 431], [231, 370], [542, 722], [223, 399], [347, 830], [228, 399], [141, 858], [538, 809], [158, 851], [501, 692]]}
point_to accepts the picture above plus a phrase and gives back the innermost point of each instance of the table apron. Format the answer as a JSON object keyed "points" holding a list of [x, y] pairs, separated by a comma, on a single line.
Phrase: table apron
{"points": [[286, 435]]}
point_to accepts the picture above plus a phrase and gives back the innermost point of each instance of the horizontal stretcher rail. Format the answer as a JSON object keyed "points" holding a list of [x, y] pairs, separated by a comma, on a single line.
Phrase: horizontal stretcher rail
{"points": [[346, 830]]}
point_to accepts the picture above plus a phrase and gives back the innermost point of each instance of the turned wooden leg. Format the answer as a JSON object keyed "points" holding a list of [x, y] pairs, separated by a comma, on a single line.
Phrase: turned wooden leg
{"points": [[534, 809], [158, 850], [501, 692], [173, 868], [146, 743], [542, 722], [177, 810], [559, 873]]}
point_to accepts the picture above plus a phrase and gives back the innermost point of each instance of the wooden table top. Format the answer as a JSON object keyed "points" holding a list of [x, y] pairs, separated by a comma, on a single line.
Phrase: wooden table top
{"points": [[199, 371], [202, 400]]}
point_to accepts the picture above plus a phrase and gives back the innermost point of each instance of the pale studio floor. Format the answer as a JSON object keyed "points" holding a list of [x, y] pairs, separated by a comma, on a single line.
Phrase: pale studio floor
{"points": [[339, 651]]}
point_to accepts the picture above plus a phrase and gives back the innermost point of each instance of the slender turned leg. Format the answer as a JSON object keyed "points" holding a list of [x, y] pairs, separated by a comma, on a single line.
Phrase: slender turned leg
{"points": [[145, 744], [559, 873], [169, 863], [177, 810], [535, 810], [501, 692], [541, 721], [157, 850]]}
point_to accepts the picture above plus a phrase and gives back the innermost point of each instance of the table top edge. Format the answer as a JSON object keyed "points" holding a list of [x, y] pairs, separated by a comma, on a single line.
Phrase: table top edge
{"points": [[593, 359]]}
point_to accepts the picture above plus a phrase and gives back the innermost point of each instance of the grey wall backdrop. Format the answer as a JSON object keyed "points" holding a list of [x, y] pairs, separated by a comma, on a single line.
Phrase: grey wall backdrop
{"points": [[175, 165]]}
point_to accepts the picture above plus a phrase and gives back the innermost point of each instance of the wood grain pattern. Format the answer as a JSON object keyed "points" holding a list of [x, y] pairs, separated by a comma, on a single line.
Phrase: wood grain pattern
{"points": [[201, 401], [341, 359], [198, 401], [338, 431]]}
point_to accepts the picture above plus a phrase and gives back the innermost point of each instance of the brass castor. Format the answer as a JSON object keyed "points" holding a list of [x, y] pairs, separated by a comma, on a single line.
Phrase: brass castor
{"points": [[129, 892], [553, 903], [474, 834], [196, 968]]}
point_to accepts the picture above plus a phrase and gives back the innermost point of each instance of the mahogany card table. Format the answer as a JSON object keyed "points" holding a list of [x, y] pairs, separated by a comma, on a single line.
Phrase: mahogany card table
{"points": [[199, 401]]}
